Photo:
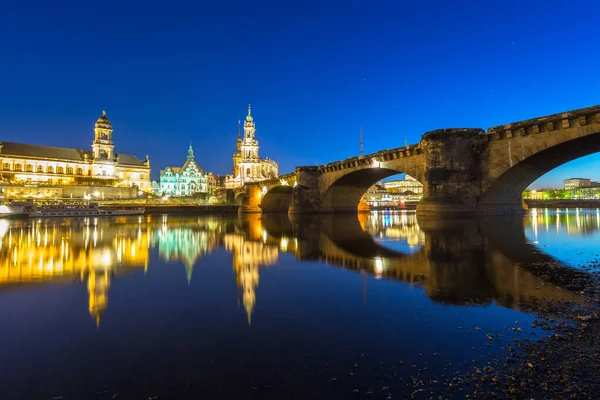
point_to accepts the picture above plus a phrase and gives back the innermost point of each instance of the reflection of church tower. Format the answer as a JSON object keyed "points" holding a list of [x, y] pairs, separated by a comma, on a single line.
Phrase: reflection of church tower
{"points": [[237, 156], [98, 285], [247, 278], [103, 146]]}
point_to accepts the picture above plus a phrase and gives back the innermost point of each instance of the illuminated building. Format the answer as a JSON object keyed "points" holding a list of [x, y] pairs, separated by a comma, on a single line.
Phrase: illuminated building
{"points": [[408, 185], [184, 181], [29, 164], [574, 183], [215, 182], [247, 165]]}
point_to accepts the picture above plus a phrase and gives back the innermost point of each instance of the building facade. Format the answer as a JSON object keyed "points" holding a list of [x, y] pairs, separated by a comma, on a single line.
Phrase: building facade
{"points": [[33, 164], [185, 181], [248, 167], [406, 185], [574, 183]]}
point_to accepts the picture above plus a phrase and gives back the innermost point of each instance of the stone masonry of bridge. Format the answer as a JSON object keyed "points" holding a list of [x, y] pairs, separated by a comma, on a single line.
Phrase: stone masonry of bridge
{"points": [[463, 170]]}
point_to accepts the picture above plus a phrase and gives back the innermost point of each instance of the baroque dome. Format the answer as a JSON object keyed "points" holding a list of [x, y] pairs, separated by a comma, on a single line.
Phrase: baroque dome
{"points": [[103, 122]]}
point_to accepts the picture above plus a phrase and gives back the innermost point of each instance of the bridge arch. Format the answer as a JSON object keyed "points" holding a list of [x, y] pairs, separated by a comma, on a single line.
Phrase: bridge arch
{"points": [[517, 162], [277, 199], [239, 198], [342, 192]]}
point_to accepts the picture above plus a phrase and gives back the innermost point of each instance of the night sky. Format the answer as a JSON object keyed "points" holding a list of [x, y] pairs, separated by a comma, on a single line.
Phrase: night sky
{"points": [[168, 73]]}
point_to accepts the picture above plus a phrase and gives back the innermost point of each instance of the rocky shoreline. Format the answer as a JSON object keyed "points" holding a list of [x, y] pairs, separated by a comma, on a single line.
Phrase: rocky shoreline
{"points": [[563, 364]]}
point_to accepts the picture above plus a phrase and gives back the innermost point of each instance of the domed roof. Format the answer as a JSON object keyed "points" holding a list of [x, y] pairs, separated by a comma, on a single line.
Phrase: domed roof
{"points": [[249, 116], [103, 121]]}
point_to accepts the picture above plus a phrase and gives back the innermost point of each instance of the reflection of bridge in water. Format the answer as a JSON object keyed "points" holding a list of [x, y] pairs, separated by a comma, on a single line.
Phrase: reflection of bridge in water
{"points": [[458, 262]]}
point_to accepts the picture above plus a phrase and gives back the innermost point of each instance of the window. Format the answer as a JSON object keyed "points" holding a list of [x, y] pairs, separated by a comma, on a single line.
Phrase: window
{"points": [[60, 170], [70, 170], [79, 171], [39, 168], [6, 167], [49, 169], [248, 171], [29, 168], [18, 167], [89, 172]]}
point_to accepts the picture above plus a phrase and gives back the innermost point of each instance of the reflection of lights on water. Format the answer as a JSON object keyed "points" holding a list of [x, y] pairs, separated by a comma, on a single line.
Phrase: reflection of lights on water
{"points": [[106, 259], [378, 265], [284, 243], [535, 223], [3, 227]]}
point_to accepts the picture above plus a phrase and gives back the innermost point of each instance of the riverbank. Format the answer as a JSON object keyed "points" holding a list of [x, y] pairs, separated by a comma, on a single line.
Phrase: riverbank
{"points": [[190, 209], [562, 203], [564, 363]]}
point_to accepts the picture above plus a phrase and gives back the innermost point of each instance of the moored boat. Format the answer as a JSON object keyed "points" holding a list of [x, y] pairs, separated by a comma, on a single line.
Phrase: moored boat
{"points": [[10, 210], [85, 210], [29, 209]]}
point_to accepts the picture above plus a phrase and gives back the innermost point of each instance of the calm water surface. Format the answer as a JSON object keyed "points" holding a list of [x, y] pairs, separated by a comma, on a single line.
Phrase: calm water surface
{"points": [[267, 308]]}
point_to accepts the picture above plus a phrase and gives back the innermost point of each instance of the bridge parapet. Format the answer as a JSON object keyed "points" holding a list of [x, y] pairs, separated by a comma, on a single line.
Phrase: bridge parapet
{"points": [[548, 123], [289, 179], [380, 156]]}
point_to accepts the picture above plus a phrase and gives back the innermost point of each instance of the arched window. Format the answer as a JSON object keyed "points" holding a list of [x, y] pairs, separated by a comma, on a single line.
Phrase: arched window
{"points": [[79, 171], [60, 170], [248, 173], [18, 167], [49, 169], [90, 172], [29, 168], [70, 170], [6, 166], [39, 168]]}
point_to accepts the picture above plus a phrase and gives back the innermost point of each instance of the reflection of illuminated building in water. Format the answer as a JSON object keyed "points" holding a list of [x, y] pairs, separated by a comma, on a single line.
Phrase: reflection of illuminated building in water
{"points": [[248, 256], [580, 222], [186, 243], [98, 285], [49, 250], [447, 263], [395, 226]]}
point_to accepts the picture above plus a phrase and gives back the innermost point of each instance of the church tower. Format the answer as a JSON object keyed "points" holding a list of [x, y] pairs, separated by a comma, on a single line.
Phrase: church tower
{"points": [[190, 155], [103, 146], [249, 144]]}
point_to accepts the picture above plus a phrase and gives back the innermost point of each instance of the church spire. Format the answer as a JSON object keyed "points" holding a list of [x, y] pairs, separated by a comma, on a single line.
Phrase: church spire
{"points": [[239, 127], [190, 155]]}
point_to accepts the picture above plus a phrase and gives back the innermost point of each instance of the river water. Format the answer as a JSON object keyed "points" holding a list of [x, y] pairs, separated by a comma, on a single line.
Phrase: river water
{"points": [[379, 306]]}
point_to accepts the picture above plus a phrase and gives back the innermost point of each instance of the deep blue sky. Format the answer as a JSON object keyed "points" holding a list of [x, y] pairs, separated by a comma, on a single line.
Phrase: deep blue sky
{"points": [[171, 72]]}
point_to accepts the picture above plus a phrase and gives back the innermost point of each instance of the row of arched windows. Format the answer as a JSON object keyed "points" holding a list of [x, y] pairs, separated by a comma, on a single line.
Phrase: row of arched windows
{"points": [[40, 169]]}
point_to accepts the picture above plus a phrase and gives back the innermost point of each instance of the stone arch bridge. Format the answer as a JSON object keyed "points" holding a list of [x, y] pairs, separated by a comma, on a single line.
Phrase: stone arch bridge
{"points": [[463, 171]]}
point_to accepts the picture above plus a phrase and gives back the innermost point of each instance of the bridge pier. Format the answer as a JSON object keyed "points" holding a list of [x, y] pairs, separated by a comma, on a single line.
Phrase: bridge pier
{"points": [[455, 169], [306, 195], [251, 200]]}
